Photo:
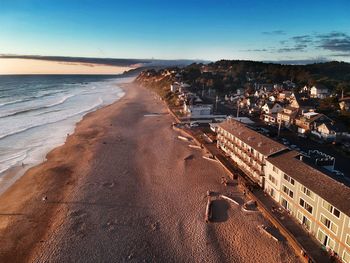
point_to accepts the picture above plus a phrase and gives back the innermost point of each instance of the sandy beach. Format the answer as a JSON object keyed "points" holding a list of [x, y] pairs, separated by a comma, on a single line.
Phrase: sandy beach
{"points": [[120, 190]]}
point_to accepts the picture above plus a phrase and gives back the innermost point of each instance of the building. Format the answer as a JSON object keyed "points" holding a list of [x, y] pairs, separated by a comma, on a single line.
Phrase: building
{"points": [[344, 104], [287, 116], [247, 148], [329, 131], [175, 87], [198, 110], [270, 108], [302, 102], [284, 95], [269, 112], [309, 121], [319, 92], [320, 203]]}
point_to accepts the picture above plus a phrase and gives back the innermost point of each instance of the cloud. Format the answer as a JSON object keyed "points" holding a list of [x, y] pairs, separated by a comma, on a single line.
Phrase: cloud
{"points": [[304, 39], [294, 44], [341, 55], [296, 48], [333, 34], [256, 50], [275, 32], [334, 41]]}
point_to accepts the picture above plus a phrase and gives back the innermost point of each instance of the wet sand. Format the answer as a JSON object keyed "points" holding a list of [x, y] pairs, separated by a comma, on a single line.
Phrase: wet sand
{"points": [[120, 190]]}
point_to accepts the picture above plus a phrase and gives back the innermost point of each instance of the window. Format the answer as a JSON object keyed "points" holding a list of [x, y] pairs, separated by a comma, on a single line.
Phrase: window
{"points": [[304, 221], [307, 192], [305, 205], [272, 179], [284, 203], [275, 169], [329, 224], [287, 191], [288, 179], [346, 257], [331, 208], [325, 240], [347, 240]]}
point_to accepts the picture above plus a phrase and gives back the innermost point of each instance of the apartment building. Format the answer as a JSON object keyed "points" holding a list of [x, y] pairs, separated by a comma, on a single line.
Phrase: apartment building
{"points": [[320, 203], [247, 148]]}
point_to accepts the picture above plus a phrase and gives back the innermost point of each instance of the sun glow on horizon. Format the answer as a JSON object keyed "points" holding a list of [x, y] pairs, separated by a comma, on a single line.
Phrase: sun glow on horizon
{"points": [[17, 66]]}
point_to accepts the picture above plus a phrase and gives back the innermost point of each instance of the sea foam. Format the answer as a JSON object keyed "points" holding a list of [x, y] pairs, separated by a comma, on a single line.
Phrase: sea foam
{"points": [[37, 113]]}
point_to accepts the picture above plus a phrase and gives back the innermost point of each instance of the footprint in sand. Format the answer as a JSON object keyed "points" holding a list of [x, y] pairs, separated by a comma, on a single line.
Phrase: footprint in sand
{"points": [[109, 185], [155, 226], [78, 213]]}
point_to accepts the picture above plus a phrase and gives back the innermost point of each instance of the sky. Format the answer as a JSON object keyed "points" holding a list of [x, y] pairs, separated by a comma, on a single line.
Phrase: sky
{"points": [[182, 29], [37, 66]]}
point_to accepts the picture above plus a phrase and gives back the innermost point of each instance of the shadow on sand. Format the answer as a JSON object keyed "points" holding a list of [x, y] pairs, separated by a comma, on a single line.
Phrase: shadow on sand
{"points": [[219, 210]]}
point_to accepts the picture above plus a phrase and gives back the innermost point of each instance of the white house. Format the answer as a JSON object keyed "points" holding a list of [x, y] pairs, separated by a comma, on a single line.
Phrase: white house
{"points": [[271, 108], [198, 110], [319, 92], [174, 87]]}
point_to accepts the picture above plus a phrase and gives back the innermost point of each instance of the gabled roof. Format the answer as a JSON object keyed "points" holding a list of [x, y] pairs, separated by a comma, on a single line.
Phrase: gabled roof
{"points": [[334, 127], [304, 100]]}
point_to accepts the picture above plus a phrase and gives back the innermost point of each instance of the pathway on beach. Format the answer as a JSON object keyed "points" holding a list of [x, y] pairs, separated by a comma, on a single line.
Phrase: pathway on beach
{"points": [[138, 200]]}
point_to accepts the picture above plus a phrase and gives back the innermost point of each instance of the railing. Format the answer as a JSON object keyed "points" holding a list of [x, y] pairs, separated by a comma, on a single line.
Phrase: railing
{"points": [[253, 170]]}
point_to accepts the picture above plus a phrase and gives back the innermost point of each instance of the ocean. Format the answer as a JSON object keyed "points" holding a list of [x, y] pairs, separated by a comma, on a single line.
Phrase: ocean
{"points": [[38, 111]]}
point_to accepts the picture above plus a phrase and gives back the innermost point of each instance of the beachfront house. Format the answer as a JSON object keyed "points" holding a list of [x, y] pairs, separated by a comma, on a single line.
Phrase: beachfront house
{"points": [[198, 110]]}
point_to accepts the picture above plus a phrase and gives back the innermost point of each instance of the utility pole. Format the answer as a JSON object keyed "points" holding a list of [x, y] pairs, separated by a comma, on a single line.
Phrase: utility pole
{"points": [[216, 103], [237, 108], [279, 128]]}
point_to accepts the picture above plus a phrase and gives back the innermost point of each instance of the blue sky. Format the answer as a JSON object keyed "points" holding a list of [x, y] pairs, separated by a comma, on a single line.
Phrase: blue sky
{"points": [[193, 29]]}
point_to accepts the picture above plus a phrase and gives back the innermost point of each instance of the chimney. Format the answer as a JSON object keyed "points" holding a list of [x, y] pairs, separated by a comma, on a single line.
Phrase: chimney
{"points": [[300, 157]]}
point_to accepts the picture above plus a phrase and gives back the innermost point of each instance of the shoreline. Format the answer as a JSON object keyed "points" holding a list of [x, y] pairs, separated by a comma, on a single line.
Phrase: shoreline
{"points": [[18, 189], [123, 188], [12, 174]]}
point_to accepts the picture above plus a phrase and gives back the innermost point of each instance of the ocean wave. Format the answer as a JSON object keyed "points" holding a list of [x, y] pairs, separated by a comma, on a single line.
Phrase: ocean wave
{"points": [[63, 100], [12, 160], [57, 120], [30, 98]]}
